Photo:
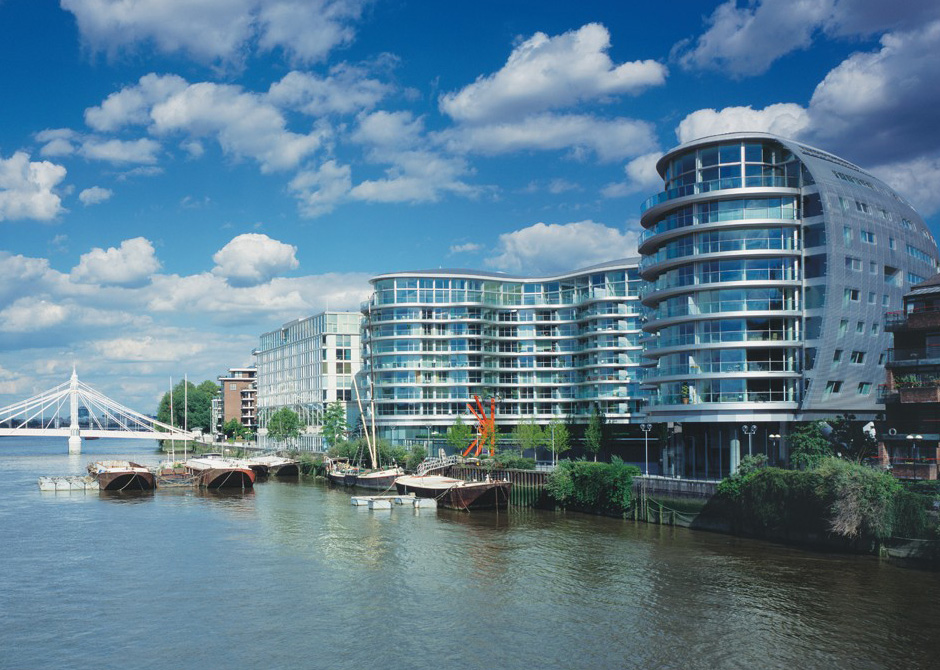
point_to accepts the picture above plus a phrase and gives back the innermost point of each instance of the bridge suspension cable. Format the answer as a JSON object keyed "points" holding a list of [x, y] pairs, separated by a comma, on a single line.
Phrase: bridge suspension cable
{"points": [[45, 414]]}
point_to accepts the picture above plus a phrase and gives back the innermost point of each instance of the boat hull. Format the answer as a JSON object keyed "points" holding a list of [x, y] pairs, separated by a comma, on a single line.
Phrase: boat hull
{"points": [[285, 470], [381, 480], [126, 481], [457, 494], [226, 478]]}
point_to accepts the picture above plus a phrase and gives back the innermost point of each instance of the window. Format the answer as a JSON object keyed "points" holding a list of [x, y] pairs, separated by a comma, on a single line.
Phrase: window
{"points": [[914, 278], [859, 326], [885, 301], [892, 244], [832, 387], [851, 294], [847, 235], [837, 356], [875, 328], [810, 358], [914, 252], [232, 386], [864, 388], [867, 236], [862, 207], [881, 358], [873, 267], [871, 297], [858, 357], [852, 263], [843, 327]]}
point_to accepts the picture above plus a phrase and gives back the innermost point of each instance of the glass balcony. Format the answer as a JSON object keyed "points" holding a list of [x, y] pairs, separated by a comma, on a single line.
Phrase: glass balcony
{"points": [[718, 185]]}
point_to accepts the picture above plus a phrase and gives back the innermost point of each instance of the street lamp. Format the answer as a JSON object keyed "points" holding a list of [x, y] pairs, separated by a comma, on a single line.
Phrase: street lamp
{"points": [[646, 428], [749, 431], [775, 437], [913, 439]]}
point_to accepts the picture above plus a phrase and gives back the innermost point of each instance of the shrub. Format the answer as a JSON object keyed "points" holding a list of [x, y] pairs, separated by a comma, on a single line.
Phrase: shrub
{"points": [[606, 488]]}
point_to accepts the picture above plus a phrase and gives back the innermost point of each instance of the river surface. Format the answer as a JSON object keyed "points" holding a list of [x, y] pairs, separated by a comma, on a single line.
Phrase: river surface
{"points": [[290, 575]]}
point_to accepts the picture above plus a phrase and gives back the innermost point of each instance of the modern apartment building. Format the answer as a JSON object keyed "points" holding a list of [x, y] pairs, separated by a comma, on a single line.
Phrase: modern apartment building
{"points": [[307, 364], [768, 266], [237, 399], [544, 347], [910, 435]]}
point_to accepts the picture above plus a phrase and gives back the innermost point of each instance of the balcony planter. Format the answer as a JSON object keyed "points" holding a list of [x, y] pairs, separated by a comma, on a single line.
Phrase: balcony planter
{"points": [[914, 394]]}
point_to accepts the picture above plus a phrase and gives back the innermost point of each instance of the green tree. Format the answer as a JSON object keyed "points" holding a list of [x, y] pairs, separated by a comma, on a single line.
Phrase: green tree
{"points": [[233, 429], [334, 423], [849, 438], [459, 435], [192, 405], [808, 446], [529, 435], [558, 438], [594, 434], [284, 425]]}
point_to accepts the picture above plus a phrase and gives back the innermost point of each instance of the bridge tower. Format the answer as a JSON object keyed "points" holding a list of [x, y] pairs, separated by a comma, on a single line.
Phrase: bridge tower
{"points": [[75, 438]]}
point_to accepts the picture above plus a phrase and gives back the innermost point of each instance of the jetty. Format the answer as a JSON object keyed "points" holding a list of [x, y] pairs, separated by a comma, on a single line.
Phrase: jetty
{"points": [[386, 502], [69, 483]]}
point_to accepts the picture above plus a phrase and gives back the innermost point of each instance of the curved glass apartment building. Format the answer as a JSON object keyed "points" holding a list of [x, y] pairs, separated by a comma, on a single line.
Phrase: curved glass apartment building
{"points": [[545, 347], [769, 266]]}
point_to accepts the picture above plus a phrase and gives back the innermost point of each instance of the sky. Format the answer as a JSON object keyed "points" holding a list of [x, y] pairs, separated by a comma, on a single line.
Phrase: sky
{"points": [[178, 177]]}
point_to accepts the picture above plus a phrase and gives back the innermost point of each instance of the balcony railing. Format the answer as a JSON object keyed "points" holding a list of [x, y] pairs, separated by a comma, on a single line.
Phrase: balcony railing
{"points": [[718, 185], [910, 357], [923, 318]]}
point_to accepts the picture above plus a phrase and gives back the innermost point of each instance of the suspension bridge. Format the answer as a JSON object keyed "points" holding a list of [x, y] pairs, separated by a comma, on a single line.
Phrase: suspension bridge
{"points": [[75, 410]]}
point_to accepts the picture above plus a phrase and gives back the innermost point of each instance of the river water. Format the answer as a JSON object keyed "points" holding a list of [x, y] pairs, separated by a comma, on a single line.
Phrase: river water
{"points": [[291, 575]]}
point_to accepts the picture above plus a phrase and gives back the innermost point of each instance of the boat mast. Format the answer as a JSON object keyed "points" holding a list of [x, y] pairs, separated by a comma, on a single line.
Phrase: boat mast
{"points": [[172, 434], [365, 429]]}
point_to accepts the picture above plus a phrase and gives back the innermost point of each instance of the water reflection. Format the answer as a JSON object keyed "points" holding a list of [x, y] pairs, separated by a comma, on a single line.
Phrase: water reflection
{"points": [[515, 589]]}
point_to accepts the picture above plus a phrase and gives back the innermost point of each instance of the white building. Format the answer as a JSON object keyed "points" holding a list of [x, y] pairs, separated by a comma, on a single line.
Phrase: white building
{"points": [[306, 365]]}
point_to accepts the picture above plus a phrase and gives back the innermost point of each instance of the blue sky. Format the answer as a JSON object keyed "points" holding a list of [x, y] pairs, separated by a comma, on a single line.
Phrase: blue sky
{"points": [[179, 176]]}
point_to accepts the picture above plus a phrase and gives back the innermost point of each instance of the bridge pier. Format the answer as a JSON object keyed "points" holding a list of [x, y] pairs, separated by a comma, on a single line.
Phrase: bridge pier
{"points": [[75, 438]]}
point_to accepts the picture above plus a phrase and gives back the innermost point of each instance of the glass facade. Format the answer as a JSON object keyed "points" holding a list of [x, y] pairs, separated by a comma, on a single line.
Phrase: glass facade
{"points": [[309, 363], [544, 347], [756, 258]]}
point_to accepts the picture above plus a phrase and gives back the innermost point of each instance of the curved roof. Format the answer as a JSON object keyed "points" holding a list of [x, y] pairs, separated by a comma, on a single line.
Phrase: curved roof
{"points": [[485, 274]]}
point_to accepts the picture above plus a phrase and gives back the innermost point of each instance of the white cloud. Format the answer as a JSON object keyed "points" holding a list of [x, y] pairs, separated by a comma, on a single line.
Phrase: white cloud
{"points": [[389, 130], [132, 104], [557, 186], [253, 258], [785, 119], [641, 176], [95, 195], [243, 123], [888, 96], [30, 314], [148, 348], [306, 29], [129, 265], [545, 73], [320, 191], [216, 30], [608, 139], [279, 300], [917, 180], [27, 188], [746, 40], [465, 248], [57, 142], [142, 151], [416, 176], [552, 248], [346, 90]]}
